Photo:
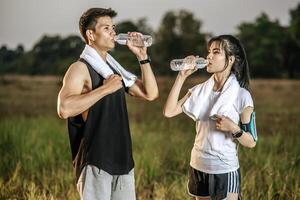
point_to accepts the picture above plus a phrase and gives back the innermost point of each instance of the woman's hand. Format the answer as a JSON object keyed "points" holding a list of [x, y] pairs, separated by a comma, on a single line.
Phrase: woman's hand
{"points": [[190, 67], [225, 124]]}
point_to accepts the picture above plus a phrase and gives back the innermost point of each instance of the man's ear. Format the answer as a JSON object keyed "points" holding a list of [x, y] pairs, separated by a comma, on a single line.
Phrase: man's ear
{"points": [[89, 34]]}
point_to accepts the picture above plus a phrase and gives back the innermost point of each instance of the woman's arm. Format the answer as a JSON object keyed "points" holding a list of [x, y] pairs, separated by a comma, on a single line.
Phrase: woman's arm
{"points": [[173, 106], [225, 124], [246, 139]]}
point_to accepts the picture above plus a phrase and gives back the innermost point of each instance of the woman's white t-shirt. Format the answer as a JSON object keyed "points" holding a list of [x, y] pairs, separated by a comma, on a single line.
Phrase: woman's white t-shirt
{"points": [[215, 152]]}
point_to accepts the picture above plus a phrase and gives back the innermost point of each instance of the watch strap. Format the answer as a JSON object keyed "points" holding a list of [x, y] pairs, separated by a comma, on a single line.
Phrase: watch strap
{"points": [[148, 60]]}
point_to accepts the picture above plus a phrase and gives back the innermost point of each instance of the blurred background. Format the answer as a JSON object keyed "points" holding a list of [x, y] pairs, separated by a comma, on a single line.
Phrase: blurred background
{"points": [[42, 37], [39, 39]]}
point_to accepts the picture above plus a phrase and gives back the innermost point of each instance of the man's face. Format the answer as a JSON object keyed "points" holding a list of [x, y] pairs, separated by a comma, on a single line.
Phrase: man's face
{"points": [[104, 33]]}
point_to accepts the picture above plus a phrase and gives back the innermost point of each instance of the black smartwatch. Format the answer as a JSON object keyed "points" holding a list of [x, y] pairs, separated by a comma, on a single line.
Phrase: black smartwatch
{"points": [[148, 60], [237, 134]]}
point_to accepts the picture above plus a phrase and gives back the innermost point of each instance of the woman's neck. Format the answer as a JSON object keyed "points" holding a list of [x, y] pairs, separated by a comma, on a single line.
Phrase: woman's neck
{"points": [[220, 79]]}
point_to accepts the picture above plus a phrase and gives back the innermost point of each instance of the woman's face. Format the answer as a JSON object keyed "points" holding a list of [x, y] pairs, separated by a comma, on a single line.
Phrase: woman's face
{"points": [[216, 58]]}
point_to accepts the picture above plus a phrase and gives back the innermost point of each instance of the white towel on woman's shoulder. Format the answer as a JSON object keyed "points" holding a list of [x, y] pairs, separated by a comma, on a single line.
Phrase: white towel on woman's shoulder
{"points": [[197, 103], [90, 55]]}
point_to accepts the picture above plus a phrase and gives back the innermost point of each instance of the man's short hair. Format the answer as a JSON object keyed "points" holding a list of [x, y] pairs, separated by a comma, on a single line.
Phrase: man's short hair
{"points": [[88, 20]]}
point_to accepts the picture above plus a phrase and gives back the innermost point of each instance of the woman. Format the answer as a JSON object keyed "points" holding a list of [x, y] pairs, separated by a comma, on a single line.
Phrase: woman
{"points": [[223, 110]]}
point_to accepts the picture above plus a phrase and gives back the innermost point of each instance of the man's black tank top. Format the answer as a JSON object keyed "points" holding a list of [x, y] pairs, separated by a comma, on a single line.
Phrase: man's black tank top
{"points": [[104, 138]]}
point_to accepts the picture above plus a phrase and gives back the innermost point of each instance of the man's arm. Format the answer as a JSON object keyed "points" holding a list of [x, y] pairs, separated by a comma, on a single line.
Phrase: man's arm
{"points": [[72, 99], [146, 88]]}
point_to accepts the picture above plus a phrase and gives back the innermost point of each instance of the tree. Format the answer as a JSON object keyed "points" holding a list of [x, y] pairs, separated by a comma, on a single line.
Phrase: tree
{"points": [[178, 36], [53, 54], [263, 43], [292, 44], [295, 24], [69, 51], [143, 27], [10, 59], [46, 53]]}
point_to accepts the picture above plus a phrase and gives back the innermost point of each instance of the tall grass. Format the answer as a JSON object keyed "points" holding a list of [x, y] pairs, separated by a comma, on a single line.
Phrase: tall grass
{"points": [[35, 160]]}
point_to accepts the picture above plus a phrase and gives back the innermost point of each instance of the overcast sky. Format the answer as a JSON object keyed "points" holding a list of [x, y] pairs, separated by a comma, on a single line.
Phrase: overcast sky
{"points": [[25, 21]]}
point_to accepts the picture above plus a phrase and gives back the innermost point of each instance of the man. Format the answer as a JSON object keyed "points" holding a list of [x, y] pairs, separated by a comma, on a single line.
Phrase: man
{"points": [[96, 110]]}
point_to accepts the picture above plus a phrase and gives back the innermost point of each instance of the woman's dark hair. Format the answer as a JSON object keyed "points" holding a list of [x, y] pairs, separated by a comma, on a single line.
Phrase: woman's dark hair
{"points": [[233, 47], [88, 20]]}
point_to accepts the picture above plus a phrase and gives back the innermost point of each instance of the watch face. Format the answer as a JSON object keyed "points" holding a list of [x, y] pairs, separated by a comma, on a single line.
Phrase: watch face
{"points": [[237, 134]]}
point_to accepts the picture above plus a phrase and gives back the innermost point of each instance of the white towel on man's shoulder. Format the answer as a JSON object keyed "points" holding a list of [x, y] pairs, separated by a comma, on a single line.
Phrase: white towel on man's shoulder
{"points": [[90, 55], [197, 103]]}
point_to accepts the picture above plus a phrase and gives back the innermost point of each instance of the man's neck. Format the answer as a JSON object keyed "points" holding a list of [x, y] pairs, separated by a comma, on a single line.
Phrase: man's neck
{"points": [[102, 53]]}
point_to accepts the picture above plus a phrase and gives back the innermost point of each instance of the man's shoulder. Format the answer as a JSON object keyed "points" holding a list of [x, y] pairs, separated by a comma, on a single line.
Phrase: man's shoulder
{"points": [[77, 69], [78, 65]]}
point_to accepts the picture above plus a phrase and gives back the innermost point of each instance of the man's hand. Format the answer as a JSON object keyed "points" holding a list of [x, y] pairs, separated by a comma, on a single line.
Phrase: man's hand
{"points": [[140, 51], [113, 83]]}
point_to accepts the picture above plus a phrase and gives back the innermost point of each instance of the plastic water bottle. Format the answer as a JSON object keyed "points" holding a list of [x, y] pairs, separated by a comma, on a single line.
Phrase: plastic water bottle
{"points": [[136, 41], [188, 63]]}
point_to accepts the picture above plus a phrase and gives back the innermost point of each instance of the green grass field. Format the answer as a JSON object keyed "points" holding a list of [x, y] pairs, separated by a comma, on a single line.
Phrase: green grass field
{"points": [[35, 160]]}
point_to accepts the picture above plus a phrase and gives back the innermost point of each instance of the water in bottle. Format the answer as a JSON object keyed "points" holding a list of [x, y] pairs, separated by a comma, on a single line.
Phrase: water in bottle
{"points": [[188, 63], [122, 38]]}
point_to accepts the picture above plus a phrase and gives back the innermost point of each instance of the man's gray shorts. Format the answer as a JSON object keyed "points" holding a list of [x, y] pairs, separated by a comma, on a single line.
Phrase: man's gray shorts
{"points": [[96, 184]]}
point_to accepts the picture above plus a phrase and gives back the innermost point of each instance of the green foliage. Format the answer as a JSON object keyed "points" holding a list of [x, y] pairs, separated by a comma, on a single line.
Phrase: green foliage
{"points": [[295, 24], [263, 43], [178, 36], [10, 60], [50, 55], [36, 159], [292, 47], [273, 50], [35, 162]]}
